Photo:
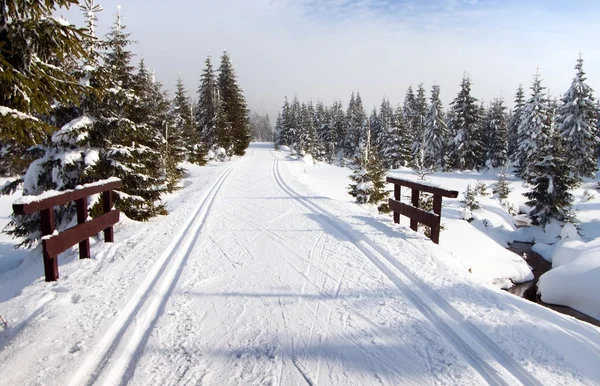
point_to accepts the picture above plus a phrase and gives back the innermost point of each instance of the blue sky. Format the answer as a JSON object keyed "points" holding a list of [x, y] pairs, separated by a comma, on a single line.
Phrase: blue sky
{"points": [[325, 49]]}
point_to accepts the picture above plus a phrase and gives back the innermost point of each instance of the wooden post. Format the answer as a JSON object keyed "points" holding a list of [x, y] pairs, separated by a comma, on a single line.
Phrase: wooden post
{"points": [[109, 236], [415, 202], [437, 209], [397, 198], [82, 215], [50, 262]]}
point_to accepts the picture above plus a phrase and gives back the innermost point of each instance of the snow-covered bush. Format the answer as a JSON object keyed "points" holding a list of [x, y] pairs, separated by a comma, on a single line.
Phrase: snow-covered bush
{"points": [[368, 184], [470, 200], [481, 189], [502, 188]]}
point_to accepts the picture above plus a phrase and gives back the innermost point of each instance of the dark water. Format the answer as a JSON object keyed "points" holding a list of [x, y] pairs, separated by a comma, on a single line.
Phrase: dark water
{"points": [[528, 290]]}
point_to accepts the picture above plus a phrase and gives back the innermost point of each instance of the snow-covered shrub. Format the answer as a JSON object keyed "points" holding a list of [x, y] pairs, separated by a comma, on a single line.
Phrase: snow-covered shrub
{"points": [[368, 184], [220, 154], [470, 200], [501, 188], [481, 189], [587, 195]]}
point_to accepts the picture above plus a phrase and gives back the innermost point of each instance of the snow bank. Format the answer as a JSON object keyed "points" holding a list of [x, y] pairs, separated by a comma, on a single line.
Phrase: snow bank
{"points": [[574, 280]]}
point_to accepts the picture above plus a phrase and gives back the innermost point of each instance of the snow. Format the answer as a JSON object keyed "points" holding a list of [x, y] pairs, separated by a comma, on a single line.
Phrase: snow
{"points": [[266, 272], [574, 280], [53, 193], [8, 111], [64, 134]]}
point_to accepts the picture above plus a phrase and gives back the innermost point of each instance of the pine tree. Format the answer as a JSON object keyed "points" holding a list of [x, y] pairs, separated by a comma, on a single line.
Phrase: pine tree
{"points": [[326, 132], [465, 147], [182, 116], [496, 134], [577, 125], [514, 137], [234, 107], [357, 123], [534, 129], [551, 177], [35, 49], [435, 134], [369, 180], [338, 127], [207, 108], [105, 141], [419, 112], [397, 143]]}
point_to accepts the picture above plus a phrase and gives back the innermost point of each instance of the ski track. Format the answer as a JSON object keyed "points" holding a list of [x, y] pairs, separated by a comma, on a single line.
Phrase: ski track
{"points": [[446, 318], [111, 362]]}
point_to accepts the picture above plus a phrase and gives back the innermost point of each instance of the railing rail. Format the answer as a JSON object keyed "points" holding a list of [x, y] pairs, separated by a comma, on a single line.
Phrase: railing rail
{"points": [[417, 215], [55, 243]]}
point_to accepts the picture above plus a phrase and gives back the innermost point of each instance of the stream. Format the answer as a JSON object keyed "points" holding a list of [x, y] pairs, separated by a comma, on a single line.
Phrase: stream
{"points": [[528, 290]]}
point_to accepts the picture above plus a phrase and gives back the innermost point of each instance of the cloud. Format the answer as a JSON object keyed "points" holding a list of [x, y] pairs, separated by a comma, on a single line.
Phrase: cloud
{"points": [[325, 49]]}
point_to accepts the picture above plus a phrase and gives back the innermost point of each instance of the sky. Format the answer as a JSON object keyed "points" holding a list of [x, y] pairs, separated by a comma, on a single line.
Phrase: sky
{"points": [[326, 49]]}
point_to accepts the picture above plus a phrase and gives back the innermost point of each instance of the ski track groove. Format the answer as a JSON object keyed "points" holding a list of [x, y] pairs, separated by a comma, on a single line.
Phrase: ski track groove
{"points": [[141, 324], [422, 297]]}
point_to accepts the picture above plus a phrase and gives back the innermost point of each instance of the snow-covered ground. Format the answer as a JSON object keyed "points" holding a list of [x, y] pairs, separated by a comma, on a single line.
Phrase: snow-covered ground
{"points": [[265, 272]]}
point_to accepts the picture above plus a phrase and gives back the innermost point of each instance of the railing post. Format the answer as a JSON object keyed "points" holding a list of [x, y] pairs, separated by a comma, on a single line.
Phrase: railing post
{"points": [[47, 227], [82, 215], [397, 198], [415, 202], [109, 236], [437, 209]]}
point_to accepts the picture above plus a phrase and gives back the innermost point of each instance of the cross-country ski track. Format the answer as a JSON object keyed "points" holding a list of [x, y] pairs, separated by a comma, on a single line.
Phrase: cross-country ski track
{"points": [[259, 279]]}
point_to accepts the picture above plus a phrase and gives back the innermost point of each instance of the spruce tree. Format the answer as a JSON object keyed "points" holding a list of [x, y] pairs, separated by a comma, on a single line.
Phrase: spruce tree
{"points": [[326, 132], [514, 137], [419, 112], [234, 107], [338, 126], [435, 134], [534, 129], [35, 48], [496, 134], [368, 178], [182, 116], [465, 147], [577, 125], [551, 178], [207, 108]]}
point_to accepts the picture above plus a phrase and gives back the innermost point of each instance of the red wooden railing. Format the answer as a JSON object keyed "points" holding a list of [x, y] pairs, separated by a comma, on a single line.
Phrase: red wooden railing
{"points": [[53, 244], [416, 215]]}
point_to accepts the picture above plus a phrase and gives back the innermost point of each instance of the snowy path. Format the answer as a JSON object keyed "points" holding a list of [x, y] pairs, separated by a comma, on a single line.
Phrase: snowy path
{"points": [[264, 282]]}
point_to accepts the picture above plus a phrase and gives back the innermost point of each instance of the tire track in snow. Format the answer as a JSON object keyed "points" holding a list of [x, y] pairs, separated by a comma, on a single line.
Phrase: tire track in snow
{"points": [[115, 358], [443, 315]]}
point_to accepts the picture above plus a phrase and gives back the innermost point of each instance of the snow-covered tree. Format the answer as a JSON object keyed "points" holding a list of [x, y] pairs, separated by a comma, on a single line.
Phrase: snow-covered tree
{"points": [[368, 180], [514, 123], [234, 106], [419, 113], [534, 129], [207, 108], [435, 134], [35, 50], [577, 125], [465, 148], [496, 134], [183, 123], [551, 178]]}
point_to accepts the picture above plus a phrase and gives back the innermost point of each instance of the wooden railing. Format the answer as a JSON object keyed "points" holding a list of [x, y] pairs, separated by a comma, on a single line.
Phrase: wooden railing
{"points": [[416, 215], [55, 243]]}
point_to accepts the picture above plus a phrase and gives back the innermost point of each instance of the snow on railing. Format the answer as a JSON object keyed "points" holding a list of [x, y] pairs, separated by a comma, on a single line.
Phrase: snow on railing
{"points": [[54, 242], [416, 215]]}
